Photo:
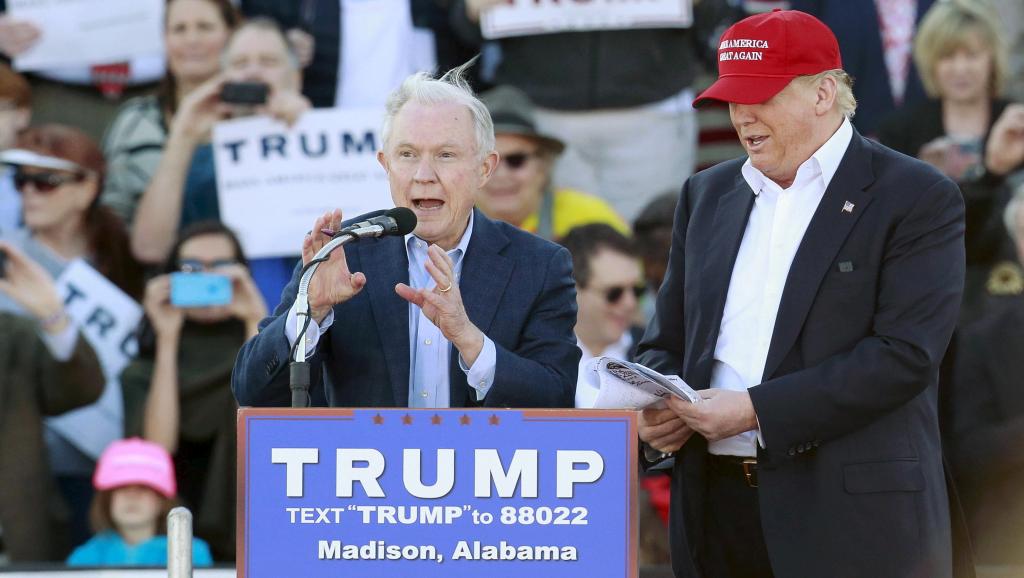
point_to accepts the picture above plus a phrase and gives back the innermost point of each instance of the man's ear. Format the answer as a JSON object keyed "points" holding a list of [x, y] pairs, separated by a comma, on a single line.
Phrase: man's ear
{"points": [[825, 95], [487, 166], [383, 161]]}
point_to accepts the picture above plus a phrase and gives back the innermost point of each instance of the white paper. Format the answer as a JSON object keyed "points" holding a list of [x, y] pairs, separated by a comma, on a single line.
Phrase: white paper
{"points": [[273, 182], [87, 32], [625, 385], [108, 318], [530, 17]]}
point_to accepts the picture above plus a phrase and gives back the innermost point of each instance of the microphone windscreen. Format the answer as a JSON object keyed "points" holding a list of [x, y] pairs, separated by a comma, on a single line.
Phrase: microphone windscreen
{"points": [[404, 218]]}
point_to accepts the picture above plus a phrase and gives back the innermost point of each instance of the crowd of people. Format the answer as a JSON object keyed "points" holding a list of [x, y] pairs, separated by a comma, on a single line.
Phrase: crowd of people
{"points": [[594, 134]]}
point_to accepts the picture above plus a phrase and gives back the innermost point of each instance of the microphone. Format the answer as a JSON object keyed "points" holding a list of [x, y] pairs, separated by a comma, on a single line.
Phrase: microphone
{"points": [[399, 221]]}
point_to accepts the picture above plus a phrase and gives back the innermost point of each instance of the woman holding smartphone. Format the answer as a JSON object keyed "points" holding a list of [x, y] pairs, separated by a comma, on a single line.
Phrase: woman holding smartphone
{"points": [[195, 32], [177, 392]]}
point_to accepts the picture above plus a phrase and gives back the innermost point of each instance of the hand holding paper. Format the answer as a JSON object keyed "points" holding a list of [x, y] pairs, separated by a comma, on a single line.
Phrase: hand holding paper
{"points": [[625, 385]]}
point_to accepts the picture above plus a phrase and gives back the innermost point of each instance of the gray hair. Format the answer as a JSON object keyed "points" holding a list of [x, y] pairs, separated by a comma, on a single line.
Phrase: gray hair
{"points": [[844, 89], [451, 88], [1012, 212], [263, 24]]}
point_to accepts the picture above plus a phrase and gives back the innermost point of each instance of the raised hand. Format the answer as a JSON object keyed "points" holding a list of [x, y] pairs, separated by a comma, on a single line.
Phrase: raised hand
{"points": [[165, 318], [333, 282], [247, 302], [16, 36], [27, 283], [1004, 151], [442, 305], [200, 110]]}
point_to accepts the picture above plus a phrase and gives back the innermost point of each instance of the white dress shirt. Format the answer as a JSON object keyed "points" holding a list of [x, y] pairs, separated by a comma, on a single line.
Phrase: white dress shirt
{"points": [[586, 393], [380, 47], [429, 350], [777, 223]]}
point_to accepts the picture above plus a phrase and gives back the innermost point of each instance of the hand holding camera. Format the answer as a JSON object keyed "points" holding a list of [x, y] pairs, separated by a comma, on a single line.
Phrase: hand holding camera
{"points": [[165, 317], [24, 281], [248, 304]]}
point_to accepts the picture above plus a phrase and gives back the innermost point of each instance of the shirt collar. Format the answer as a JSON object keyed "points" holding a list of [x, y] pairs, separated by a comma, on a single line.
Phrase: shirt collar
{"points": [[823, 163], [410, 240], [618, 350]]}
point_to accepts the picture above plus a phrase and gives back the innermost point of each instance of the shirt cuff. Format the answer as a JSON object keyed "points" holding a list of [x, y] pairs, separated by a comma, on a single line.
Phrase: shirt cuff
{"points": [[313, 332], [61, 345], [481, 375], [653, 455], [760, 440]]}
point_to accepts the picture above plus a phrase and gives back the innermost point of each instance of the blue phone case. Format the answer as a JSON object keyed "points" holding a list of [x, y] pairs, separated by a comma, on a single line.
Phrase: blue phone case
{"points": [[200, 290]]}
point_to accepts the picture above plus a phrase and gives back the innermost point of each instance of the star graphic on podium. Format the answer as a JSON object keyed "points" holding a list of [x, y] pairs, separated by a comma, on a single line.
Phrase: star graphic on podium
{"points": [[464, 420], [407, 419], [436, 420], [494, 420], [378, 419]]}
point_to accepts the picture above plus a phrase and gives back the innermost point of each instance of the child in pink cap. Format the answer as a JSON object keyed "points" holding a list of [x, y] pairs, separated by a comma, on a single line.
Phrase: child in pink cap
{"points": [[135, 487]]}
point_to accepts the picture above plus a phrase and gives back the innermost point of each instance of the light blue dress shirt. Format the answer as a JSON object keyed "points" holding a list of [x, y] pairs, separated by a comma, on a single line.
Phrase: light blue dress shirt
{"points": [[429, 350]]}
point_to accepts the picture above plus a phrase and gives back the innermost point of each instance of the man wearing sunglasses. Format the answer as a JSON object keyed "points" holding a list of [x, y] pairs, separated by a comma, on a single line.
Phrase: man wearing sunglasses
{"points": [[608, 288], [520, 190]]}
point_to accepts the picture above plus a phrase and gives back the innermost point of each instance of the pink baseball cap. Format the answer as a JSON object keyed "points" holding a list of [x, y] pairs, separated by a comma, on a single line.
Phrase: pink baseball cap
{"points": [[758, 56], [135, 461]]}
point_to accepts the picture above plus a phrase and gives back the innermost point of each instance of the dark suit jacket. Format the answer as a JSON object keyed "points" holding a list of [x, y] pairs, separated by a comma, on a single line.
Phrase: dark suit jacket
{"points": [[851, 480], [34, 385], [516, 287], [988, 430], [856, 26]]}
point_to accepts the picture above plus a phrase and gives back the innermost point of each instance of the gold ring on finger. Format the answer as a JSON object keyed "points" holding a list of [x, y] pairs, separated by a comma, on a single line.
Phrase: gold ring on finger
{"points": [[446, 289]]}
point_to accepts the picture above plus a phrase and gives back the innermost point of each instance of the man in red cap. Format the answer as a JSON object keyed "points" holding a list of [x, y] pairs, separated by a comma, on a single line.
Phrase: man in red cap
{"points": [[811, 293]]}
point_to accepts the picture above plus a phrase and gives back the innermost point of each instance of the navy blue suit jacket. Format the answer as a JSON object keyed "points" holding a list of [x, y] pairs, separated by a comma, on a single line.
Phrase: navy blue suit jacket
{"points": [[851, 480], [516, 287]]}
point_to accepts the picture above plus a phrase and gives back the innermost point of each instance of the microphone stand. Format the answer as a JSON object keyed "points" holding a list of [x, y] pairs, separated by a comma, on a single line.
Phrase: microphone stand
{"points": [[298, 369]]}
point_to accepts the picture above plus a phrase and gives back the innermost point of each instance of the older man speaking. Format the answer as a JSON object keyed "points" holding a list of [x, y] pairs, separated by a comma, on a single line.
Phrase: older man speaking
{"points": [[464, 311], [811, 293]]}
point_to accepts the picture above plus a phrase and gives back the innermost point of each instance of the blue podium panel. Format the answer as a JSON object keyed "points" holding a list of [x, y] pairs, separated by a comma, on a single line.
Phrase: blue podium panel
{"points": [[432, 493]]}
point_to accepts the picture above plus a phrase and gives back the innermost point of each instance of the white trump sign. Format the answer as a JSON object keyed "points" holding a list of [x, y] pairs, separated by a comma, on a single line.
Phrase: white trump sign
{"points": [[274, 181], [85, 32], [530, 17], [108, 318]]}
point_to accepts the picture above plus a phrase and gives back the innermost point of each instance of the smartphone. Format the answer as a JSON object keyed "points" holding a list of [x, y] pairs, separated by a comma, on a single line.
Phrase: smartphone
{"points": [[200, 290], [3, 264], [247, 93]]}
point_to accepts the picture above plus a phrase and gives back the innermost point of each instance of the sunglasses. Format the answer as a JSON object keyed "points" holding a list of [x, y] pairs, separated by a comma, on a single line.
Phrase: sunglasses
{"points": [[516, 161], [614, 294], [197, 266], [44, 182]]}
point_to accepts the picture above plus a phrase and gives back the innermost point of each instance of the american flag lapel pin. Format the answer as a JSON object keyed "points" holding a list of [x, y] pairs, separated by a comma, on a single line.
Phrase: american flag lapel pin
{"points": [[848, 207]]}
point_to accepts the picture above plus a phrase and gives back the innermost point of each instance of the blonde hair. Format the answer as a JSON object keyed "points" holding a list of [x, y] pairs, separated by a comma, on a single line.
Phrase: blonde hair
{"points": [[949, 26], [451, 88], [845, 100]]}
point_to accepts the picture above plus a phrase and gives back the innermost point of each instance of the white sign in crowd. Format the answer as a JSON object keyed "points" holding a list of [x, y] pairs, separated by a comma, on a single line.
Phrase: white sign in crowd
{"points": [[530, 17], [87, 32], [108, 319], [274, 181]]}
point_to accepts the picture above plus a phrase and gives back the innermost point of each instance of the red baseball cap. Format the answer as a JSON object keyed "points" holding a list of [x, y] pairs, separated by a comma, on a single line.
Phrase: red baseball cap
{"points": [[759, 55]]}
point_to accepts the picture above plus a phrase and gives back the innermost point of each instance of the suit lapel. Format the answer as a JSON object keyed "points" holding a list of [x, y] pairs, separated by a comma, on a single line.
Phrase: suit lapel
{"points": [[844, 202], [485, 275], [727, 230], [385, 263]]}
